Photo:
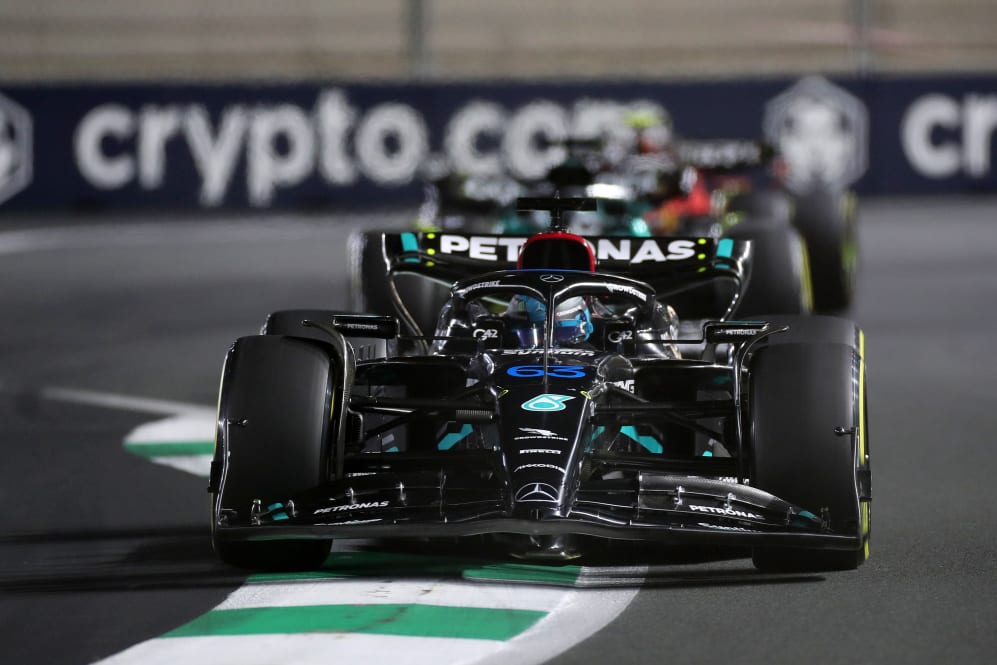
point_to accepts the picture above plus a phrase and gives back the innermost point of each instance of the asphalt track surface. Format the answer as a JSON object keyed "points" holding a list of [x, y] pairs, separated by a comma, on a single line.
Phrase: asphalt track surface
{"points": [[100, 549]]}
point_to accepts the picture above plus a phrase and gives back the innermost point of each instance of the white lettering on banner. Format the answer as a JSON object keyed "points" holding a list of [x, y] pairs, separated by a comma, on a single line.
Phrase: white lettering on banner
{"points": [[933, 161], [333, 118], [391, 143], [978, 132], [533, 139], [156, 127], [283, 145], [269, 167], [215, 158], [463, 138], [969, 127], [101, 169]]}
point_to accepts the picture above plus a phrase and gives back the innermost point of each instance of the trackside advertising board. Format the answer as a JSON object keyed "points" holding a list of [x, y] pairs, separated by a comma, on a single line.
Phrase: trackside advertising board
{"points": [[325, 144]]}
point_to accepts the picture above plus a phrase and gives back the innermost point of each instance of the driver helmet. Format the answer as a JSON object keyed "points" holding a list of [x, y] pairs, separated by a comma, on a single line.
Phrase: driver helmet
{"points": [[652, 126], [572, 321]]}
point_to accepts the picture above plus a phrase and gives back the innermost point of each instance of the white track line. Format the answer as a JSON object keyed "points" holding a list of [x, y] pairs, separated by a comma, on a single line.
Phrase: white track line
{"points": [[313, 649], [124, 402], [164, 232]]}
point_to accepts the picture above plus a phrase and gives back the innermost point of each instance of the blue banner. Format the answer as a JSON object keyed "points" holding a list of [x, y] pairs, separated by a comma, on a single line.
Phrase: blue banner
{"points": [[330, 145]]}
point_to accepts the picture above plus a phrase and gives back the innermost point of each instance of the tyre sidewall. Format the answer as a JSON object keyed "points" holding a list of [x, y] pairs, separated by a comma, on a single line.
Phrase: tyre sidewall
{"points": [[826, 219], [779, 281]]}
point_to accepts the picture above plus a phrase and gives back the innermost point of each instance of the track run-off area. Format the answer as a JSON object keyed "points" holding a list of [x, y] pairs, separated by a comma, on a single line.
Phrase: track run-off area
{"points": [[112, 335]]}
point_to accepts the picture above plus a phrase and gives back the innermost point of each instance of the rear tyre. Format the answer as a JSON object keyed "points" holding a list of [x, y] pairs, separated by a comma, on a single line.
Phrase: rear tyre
{"points": [[780, 277], [369, 290], [826, 218], [799, 394], [274, 423], [773, 205], [373, 286]]}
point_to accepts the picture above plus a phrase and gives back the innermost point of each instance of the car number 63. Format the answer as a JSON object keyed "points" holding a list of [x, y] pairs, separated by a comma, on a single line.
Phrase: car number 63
{"points": [[555, 371]]}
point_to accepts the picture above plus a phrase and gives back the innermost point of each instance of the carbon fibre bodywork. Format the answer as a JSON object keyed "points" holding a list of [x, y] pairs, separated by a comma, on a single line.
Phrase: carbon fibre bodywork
{"points": [[409, 275], [617, 438]]}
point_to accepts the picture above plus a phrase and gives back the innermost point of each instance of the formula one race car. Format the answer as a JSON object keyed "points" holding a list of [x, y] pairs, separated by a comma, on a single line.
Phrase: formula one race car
{"points": [[554, 406], [409, 274], [703, 192], [750, 174]]}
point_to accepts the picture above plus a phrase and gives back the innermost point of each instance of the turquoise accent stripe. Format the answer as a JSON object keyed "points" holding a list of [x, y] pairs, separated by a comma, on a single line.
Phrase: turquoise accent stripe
{"points": [[725, 248], [277, 516], [707, 453], [649, 442], [804, 519], [596, 431], [410, 244], [450, 440]]}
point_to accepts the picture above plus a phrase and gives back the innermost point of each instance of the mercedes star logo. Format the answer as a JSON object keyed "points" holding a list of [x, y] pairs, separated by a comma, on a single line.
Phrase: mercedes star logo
{"points": [[551, 279], [537, 492]]}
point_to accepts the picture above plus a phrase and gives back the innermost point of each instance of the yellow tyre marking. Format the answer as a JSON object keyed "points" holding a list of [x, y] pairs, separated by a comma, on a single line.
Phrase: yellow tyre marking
{"points": [[866, 507]]}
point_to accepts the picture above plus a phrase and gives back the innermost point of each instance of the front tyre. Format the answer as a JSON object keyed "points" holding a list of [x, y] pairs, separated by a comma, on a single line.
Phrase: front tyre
{"points": [[274, 423], [809, 445]]}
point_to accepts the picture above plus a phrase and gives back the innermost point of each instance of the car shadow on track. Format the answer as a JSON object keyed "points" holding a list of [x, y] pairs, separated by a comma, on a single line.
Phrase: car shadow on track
{"points": [[617, 565], [181, 558], [112, 559]]}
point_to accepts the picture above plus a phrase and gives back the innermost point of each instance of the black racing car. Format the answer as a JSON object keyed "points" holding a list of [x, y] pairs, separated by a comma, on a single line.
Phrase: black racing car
{"points": [[751, 174], [409, 274], [554, 407]]}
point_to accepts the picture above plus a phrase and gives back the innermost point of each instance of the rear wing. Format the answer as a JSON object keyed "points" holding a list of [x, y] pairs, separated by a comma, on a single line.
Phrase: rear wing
{"points": [[700, 277], [725, 155]]}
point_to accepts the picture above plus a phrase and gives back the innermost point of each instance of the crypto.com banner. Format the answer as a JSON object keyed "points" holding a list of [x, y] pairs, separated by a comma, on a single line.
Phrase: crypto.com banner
{"points": [[259, 146]]}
